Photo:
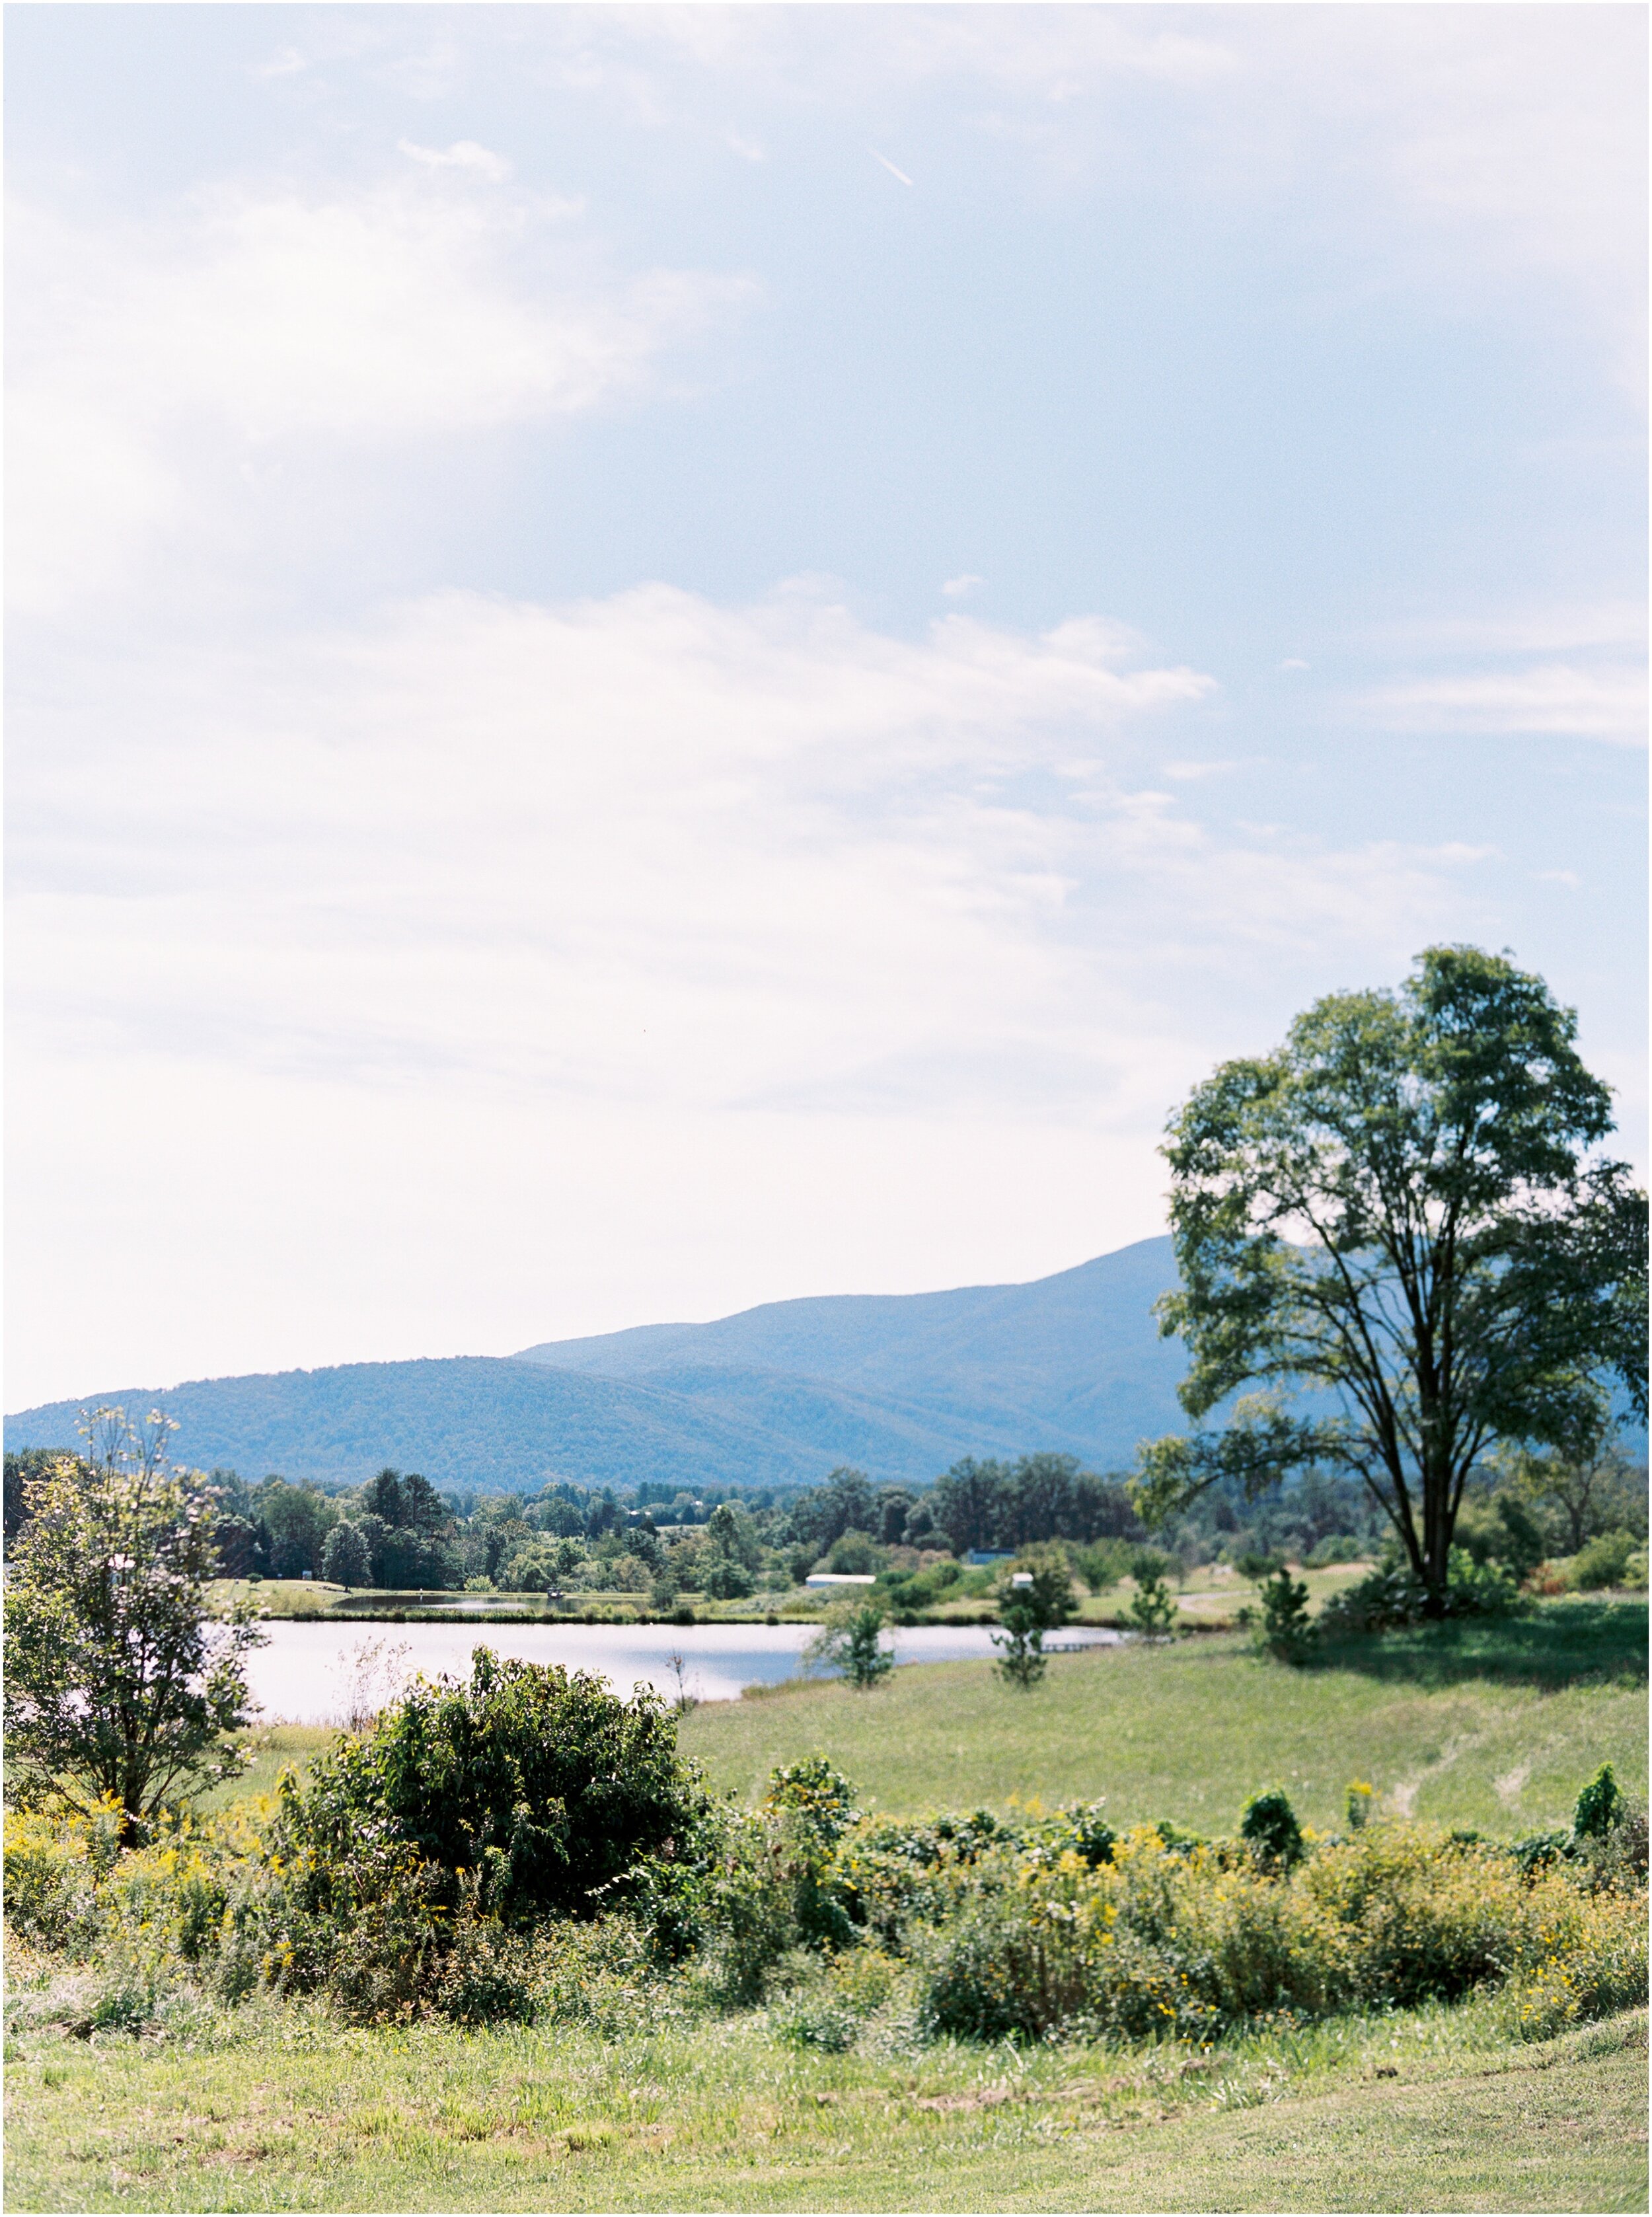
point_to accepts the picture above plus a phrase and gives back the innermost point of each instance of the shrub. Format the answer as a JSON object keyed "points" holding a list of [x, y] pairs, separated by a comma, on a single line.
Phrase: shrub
{"points": [[1600, 1805], [1391, 1597], [1103, 1564], [1152, 1611], [832, 2002], [1193, 1942], [1286, 1630], [1335, 1547], [851, 1640], [542, 1786], [1270, 1829], [1604, 1562], [1027, 1612]]}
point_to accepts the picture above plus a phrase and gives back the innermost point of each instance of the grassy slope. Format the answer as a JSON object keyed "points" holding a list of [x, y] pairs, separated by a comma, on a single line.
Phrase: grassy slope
{"points": [[316, 2118], [1495, 1727]]}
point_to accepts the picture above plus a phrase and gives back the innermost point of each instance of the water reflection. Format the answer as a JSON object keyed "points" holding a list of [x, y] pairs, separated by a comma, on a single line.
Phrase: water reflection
{"points": [[306, 1673]]}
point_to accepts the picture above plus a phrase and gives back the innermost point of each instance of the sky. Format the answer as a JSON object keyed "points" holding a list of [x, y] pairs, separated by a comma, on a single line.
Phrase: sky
{"points": [[665, 657]]}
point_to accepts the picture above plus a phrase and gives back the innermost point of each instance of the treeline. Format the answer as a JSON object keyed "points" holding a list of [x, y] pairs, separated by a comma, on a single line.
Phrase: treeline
{"points": [[398, 1531]]}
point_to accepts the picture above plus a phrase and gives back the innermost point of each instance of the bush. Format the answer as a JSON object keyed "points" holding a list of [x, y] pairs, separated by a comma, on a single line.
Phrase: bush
{"points": [[541, 1786], [1152, 1611], [1604, 1562], [832, 2002], [1103, 1564], [1600, 1805], [1287, 1632], [1027, 1612], [1335, 1547], [851, 1640], [1390, 1598], [1270, 1829]]}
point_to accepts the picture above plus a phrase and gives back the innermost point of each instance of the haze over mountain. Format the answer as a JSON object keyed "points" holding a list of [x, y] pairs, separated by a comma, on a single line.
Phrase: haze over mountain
{"points": [[900, 1385]]}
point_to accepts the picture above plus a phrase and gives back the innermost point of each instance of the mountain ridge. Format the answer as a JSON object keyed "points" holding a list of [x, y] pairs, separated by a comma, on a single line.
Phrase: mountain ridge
{"points": [[900, 1383]]}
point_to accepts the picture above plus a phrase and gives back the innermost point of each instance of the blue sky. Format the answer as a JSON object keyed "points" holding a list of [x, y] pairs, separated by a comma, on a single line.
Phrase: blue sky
{"points": [[664, 657]]}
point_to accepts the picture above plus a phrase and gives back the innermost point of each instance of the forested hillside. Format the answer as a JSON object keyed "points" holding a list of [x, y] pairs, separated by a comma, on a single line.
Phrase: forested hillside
{"points": [[900, 1385]]}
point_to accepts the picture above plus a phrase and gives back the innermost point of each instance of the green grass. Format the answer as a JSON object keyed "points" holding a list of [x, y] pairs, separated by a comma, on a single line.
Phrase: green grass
{"points": [[279, 2106], [287, 2111], [275, 1747], [1495, 1727]]}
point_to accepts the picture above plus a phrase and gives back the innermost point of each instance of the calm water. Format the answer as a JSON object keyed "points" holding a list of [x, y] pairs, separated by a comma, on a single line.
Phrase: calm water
{"points": [[307, 1673]]}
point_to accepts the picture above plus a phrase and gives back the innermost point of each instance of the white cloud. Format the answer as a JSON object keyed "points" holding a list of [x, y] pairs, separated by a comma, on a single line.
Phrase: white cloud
{"points": [[1458, 148], [288, 62], [959, 589], [475, 968], [463, 154], [541, 845], [415, 309], [1560, 699], [1189, 773]]}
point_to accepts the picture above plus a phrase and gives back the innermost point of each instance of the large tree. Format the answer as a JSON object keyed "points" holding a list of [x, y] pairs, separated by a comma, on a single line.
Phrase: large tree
{"points": [[116, 1684], [1403, 1212]]}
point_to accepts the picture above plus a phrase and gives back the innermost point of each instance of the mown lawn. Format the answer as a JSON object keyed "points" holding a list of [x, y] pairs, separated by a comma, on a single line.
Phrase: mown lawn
{"points": [[1495, 1727], [1431, 2110]]}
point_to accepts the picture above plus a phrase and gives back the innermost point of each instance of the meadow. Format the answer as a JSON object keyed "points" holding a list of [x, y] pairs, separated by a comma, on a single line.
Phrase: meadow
{"points": [[1423, 2109], [1493, 1725], [278, 2103]]}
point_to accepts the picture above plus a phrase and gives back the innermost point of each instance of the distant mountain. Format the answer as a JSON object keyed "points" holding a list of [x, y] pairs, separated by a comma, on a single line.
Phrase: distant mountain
{"points": [[900, 1385]]}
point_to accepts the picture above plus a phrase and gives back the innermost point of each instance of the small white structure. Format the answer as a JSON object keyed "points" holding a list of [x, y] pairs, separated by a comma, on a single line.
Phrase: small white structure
{"points": [[1020, 1578], [840, 1578]]}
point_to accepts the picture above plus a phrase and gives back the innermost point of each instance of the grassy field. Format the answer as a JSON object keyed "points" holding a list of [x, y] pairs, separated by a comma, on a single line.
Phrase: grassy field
{"points": [[278, 2106], [1493, 1726], [1431, 2110]]}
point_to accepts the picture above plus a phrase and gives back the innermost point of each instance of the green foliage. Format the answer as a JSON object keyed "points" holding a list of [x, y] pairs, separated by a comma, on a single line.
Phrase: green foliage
{"points": [[1387, 1598], [1041, 1926], [855, 1554], [1362, 1794], [1196, 1944], [1036, 1499], [837, 1998], [726, 1579], [1270, 1829], [1410, 1171], [537, 1788], [345, 1559], [1026, 1612], [1152, 1609], [851, 1640], [1605, 1562], [817, 1793], [1600, 1805], [1103, 1564], [1586, 1493], [730, 1532], [117, 1686], [908, 1591], [1287, 1631]]}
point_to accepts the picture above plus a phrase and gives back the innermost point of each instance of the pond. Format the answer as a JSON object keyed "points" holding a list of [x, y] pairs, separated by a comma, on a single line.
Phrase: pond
{"points": [[309, 1673]]}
